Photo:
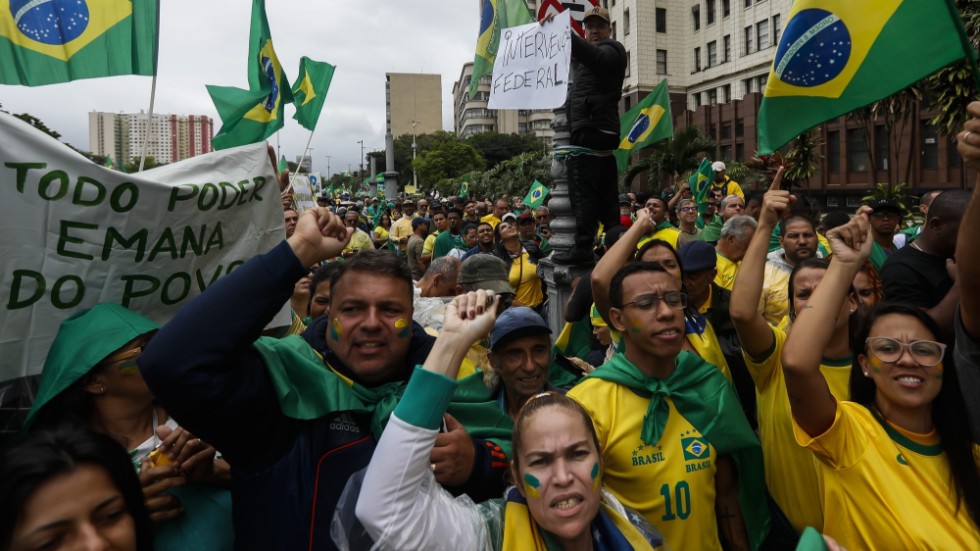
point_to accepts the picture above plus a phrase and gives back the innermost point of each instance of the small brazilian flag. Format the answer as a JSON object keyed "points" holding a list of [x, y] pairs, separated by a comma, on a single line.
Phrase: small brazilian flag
{"points": [[700, 183], [311, 90], [249, 116], [494, 16], [51, 42], [695, 448], [464, 189], [643, 125], [836, 56], [535, 197]]}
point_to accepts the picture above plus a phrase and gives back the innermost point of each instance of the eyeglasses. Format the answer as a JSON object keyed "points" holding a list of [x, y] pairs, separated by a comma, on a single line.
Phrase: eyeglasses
{"points": [[689, 209], [126, 360], [925, 353], [674, 299], [885, 214]]}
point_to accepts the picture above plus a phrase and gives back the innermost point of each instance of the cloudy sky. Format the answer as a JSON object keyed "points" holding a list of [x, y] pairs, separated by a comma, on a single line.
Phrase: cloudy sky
{"points": [[206, 42]]}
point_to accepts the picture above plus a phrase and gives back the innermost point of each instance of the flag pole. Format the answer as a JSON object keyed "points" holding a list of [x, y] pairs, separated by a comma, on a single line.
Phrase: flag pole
{"points": [[149, 121]]}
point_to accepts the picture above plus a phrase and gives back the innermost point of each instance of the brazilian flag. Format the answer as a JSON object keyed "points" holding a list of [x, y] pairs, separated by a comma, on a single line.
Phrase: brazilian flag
{"points": [[50, 42], [836, 56], [646, 123], [249, 116], [494, 16], [535, 197], [464, 189], [311, 90], [700, 183]]}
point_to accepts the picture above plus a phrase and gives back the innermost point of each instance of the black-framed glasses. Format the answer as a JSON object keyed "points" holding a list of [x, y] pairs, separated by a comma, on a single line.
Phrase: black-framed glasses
{"points": [[689, 209], [925, 353], [674, 299]]}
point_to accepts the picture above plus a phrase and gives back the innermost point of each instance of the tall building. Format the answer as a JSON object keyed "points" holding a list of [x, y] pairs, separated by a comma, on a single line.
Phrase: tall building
{"points": [[413, 103], [171, 138], [472, 116]]}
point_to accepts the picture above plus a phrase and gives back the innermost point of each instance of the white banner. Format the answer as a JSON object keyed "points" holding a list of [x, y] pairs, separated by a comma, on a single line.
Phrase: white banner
{"points": [[532, 64], [73, 234]]}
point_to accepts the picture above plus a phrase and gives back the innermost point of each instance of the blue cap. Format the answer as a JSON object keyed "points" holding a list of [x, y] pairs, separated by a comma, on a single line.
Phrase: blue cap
{"points": [[519, 321], [697, 255]]}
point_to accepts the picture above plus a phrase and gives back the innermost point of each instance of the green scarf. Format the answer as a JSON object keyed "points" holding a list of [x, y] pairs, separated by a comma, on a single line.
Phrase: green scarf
{"points": [[701, 393], [309, 388], [878, 256]]}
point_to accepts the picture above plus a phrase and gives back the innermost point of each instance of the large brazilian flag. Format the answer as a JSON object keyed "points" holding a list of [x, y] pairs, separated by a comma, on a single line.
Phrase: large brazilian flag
{"points": [[51, 41], [646, 123], [836, 56]]}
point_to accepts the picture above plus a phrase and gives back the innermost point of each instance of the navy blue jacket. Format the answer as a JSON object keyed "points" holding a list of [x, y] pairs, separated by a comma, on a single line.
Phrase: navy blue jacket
{"points": [[287, 474]]}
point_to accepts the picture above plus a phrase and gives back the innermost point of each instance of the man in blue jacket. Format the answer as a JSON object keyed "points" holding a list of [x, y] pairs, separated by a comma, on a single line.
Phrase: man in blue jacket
{"points": [[297, 417]]}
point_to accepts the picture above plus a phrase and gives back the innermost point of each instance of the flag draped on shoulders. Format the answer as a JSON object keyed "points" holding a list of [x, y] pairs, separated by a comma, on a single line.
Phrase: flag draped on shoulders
{"points": [[249, 116], [50, 42], [494, 16], [836, 56], [310, 90], [645, 124]]}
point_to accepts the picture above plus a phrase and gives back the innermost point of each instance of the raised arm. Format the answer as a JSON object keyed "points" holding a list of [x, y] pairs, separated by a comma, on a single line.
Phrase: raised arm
{"points": [[814, 407], [400, 504], [617, 257], [967, 260], [753, 331]]}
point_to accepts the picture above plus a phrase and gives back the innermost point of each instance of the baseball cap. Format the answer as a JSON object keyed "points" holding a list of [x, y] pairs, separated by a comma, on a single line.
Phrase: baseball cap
{"points": [[519, 321], [408, 202], [509, 216], [625, 199], [597, 11], [879, 205], [525, 216], [717, 166], [485, 271], [697, 255]]}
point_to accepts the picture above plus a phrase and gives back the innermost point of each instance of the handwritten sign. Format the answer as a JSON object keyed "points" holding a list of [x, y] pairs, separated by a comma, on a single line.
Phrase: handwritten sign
{"points": [[531, 68], [303, 193]]}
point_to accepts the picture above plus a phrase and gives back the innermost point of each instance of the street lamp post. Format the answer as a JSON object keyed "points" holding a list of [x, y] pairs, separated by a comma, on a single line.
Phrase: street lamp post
{"points": [[328, 166], [415, 177]]}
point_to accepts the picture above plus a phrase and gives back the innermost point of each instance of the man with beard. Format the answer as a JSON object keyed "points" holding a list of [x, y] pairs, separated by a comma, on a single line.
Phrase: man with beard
{"points": [[798, 239], [484, 240], [885, 217]]}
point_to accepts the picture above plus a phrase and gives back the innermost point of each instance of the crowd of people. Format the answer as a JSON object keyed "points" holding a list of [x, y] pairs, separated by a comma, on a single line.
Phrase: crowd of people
{"points": [[743, 373]]}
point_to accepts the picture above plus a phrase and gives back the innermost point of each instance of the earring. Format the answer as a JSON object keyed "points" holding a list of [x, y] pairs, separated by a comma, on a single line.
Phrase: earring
{"points": [[102, 390], [866, 374]]}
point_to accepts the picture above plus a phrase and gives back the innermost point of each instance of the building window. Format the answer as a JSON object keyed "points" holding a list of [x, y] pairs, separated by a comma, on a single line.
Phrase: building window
{"points": [[709, 11], [857, 151], [697, 100], [775, 30], [881, 147], [712, 96], [661, 20], [661, 62], [726, 152], [726, 131], [626, 22], [930, 147], [762, 35], [739, 128], [712, 53], [697, 59], [627, 63], [748, 40], [739, 152], [726, 8], [747, 85], [726, 93], [761, 79], [833, 152], [614, 35], [748, 3], [696, 16], [727, 41]]}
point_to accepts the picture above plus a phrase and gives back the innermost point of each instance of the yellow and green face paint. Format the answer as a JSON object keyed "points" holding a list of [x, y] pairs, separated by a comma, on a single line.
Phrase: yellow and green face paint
{"points": [[636, 326], [939, 371], [336, 330], [531, 485], [595, 476], [403, 328], [875, 364]]}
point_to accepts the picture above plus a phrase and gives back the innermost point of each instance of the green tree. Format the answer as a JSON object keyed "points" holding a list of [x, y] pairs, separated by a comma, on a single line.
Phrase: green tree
{"points": [[134, 164], [952, 88], [896, 115], [446, 159], [680, 154], [497, 148], [423, 142], [803, 159]]}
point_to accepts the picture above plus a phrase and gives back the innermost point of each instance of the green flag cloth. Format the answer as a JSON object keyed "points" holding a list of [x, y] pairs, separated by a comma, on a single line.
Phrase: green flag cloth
{"points": [[308, 388], [310, 90], [704, 397], [836, 56], [648, 122], [464, 189], [283, 165], [108, 161], [700, 183], [494, 16], [249, 116], [50, 42], [535, 197]]}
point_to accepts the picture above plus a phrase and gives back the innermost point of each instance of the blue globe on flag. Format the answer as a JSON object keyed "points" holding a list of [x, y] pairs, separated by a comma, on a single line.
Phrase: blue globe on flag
{"points": [[53, 22], [639, 128], [815, 48]]}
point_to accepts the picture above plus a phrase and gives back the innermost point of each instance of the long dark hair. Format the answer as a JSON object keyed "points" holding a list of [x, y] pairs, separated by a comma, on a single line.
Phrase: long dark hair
{"points": [[948, 408], [28, 464]]}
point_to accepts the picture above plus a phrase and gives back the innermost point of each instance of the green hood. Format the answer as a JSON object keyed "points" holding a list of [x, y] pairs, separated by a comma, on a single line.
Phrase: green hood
{"points": [[85, 339]]}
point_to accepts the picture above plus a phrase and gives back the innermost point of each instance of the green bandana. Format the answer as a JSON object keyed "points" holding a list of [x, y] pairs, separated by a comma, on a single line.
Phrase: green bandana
{"points": [[878, 256], [308, 388], [84, 339], [704, 397]]}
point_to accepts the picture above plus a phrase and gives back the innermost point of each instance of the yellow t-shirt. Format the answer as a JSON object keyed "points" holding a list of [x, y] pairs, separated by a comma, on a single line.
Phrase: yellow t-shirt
{"points": [[774, 303], [359, 241], [525, 281], [706, 345], [790, 475], [381, 233], [491, 219], [883, 490], [399, 229], [668, 234], [430, 241], [672, 483], [726, 270]]}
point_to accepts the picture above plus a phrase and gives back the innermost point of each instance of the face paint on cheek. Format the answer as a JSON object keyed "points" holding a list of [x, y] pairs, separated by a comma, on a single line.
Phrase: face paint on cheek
{"points": [[133, 368], [531, 485], [595, 476], [939, 371], [336, 330], [403, 327], [875, 364], [635, 326]]}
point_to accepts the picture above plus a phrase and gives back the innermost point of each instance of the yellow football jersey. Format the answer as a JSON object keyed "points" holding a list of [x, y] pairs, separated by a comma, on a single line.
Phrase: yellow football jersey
{"points": [[882, 489], [726, 270], [790, 475], [706, 345], [671, 483]]}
